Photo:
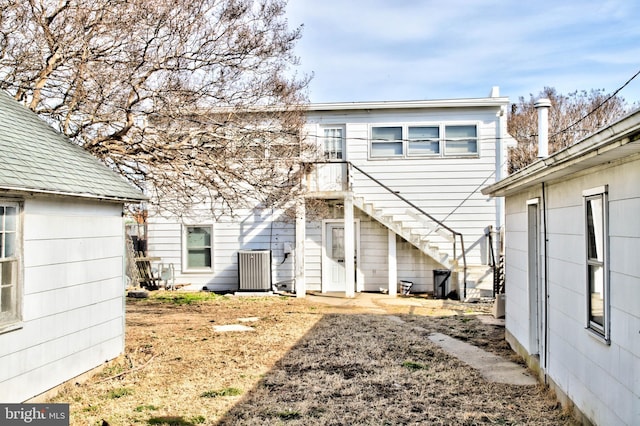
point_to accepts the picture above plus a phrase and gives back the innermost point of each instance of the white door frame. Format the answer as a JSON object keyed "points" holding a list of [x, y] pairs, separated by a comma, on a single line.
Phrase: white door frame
{"points": [[325, 258], [534, 280]]}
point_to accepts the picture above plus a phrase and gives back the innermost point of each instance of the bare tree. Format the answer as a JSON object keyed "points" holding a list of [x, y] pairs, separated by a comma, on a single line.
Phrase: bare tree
{"points": [[571, 118], [193, 99]]}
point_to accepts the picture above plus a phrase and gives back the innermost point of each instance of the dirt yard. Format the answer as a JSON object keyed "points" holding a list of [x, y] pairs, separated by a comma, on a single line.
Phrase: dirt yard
{"points": [[303, 363]]}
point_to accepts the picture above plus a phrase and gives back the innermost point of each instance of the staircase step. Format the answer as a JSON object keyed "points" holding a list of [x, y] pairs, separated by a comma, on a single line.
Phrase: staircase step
{"points": [[418, 231]]}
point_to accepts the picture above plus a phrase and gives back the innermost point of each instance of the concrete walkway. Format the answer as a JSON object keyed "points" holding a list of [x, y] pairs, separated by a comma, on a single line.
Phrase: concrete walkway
{"points": [[492, 367]]}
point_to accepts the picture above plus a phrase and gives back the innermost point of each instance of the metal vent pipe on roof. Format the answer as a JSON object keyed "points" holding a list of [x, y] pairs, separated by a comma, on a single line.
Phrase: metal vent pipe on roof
{"points": [[543, 105]]}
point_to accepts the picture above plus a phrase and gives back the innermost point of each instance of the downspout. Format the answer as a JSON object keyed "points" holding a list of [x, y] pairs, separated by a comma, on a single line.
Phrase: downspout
{"points": [[545, 329], [543, 105]]}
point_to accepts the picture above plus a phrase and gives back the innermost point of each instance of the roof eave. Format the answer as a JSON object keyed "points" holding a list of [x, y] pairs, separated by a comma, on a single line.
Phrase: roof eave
{"points": [[436, 103], [110, 198]]}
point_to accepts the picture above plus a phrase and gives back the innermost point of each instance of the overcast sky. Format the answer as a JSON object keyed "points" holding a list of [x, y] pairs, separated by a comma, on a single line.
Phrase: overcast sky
{"points": [[376, 50]]}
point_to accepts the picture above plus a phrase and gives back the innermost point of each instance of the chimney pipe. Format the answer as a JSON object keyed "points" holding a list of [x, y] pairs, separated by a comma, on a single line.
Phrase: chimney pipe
{"points": [[543, 105]]}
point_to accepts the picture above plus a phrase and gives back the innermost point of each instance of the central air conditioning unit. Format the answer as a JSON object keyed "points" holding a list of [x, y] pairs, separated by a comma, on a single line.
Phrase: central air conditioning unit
{"points": [[254, 270]]}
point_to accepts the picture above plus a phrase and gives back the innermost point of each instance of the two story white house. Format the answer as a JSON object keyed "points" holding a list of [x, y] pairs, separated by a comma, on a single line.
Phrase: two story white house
{"points": [[394, 196]]}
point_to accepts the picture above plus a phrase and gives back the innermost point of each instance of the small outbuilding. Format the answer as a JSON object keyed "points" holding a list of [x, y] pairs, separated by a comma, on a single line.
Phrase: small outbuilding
{"points": [[572, 271], [62, 256]]}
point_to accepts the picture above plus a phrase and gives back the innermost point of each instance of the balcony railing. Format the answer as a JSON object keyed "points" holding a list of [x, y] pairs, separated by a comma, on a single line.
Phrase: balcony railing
{"points": [[328, 177]]}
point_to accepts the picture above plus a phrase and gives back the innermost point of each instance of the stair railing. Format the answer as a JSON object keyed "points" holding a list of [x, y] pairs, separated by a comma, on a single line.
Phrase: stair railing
{"points": [[497, 264], [456, 235]]}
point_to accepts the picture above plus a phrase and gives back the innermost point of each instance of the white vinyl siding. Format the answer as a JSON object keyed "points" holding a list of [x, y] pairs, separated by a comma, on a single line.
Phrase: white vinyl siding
{"points": [[251, 229], [373, 267], [578, 361], [72, 295], [444, 186], [373, 254]]}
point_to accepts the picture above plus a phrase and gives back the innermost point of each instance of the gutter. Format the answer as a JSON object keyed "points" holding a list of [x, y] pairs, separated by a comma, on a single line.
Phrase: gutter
{"points": [[111, 198], [441, 103]]}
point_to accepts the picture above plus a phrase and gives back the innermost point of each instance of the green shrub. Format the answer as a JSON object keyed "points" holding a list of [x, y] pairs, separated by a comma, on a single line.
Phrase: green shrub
{"points": [[185, 298], [141, 408]]}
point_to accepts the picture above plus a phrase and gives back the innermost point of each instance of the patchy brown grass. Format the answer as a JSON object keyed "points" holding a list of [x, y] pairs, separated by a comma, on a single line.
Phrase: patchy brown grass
{"points": [[304, 364]]}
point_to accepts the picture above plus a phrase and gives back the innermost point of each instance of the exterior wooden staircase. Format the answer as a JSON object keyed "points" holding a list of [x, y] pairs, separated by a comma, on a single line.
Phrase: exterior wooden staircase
{"points": [[425, 235], [433, 240], [432, 237]]}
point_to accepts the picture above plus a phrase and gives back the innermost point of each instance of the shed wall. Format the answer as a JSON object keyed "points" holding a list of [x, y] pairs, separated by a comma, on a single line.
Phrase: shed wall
{"points": [[73, 295], [602, 380]]}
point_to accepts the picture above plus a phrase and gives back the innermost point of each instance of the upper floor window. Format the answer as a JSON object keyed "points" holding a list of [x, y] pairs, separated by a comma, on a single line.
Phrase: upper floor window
{"points": [[424, 140], [461, 140], [333, 143], [596, 233], [386, 141], [9, 263]]}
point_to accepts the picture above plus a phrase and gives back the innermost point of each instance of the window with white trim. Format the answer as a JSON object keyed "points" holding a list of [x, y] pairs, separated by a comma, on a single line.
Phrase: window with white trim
{"points": [[387, 141], [9, 263], [333, 143], [596, 232], [432, 140], [461, 140], [423, 140], [198, 248]]}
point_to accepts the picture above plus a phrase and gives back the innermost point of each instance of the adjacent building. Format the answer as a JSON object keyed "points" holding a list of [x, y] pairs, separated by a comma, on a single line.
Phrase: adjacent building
{"points": [[572, 271], [61, 257]]}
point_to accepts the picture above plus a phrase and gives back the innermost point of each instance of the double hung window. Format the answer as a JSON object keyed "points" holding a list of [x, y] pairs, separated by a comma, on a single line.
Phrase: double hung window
{"points": [[595, 202], [423, 140], [9, 263], [198, 247], [387, 141], [461, 140]]}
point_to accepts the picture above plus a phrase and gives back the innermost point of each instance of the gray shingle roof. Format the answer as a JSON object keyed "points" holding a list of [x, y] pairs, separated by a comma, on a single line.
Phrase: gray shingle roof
{"points": [[36, 158]]}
